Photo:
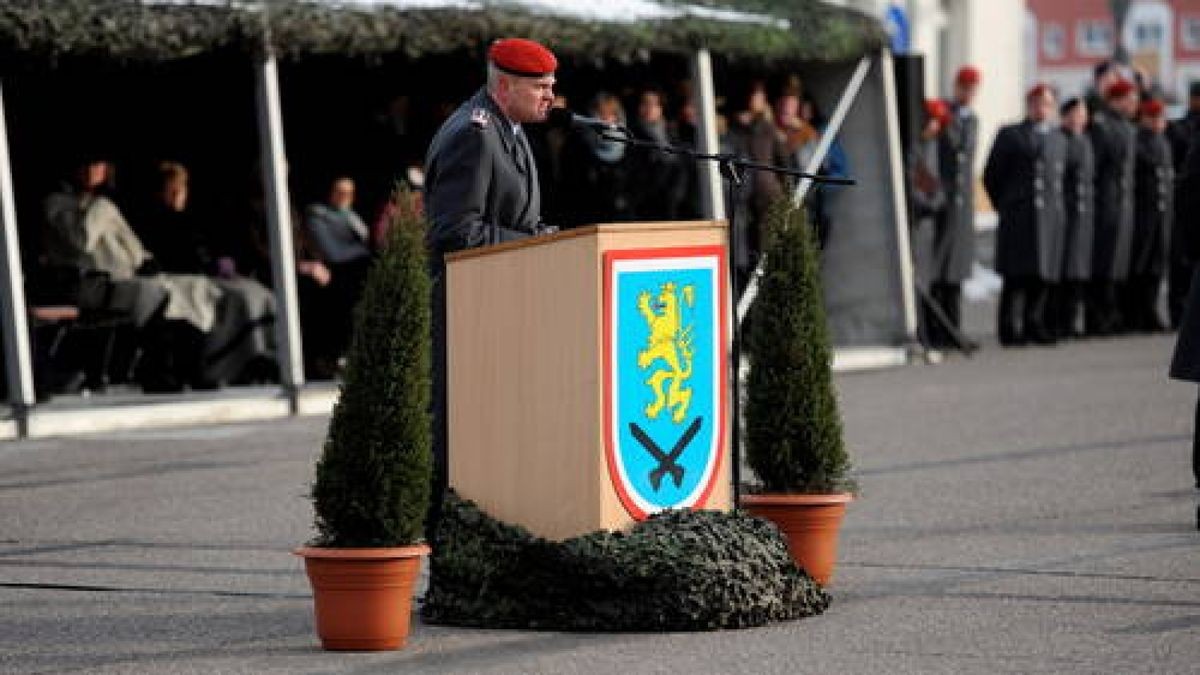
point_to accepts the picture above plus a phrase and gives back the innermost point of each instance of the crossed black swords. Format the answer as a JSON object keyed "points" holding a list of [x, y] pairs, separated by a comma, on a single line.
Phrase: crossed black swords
{"points": [[667, 461]]}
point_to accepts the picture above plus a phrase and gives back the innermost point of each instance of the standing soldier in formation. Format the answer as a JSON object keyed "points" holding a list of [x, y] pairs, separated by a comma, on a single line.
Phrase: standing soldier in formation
{"points": [[1180, 134], [1155, 209], [954, 239], [1114, 142], [1024, 179], [1078, 201]]}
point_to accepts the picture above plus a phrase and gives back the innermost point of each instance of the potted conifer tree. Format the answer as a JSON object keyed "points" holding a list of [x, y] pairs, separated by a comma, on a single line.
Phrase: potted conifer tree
{"points": [[793, 431], [372, 486]]}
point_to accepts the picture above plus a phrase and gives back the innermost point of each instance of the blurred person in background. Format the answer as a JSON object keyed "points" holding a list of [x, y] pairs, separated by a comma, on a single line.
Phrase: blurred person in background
{"points": [[1078, 200], [954, 240], [658, 182], [596, 185], [752, 134], [341, 242], [1024, 179], [1180, 134], [241, 345], [1154, 208], [1114, 141]]}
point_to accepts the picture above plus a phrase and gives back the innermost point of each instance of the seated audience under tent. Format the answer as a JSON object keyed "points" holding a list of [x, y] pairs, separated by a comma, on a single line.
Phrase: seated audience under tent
{"points": [[241, 347]]}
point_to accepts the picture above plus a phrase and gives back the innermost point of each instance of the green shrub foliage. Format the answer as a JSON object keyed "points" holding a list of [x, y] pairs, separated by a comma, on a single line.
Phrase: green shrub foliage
{"points": [[44, 31], [373, 477], [793, 431], [678, 570]]}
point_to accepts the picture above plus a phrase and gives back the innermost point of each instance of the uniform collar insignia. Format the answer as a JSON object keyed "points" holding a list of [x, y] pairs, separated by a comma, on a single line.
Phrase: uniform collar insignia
{"points": [[479, 118]]}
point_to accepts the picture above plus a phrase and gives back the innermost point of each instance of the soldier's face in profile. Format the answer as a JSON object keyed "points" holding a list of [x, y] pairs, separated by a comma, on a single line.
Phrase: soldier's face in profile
{"points": [[530, 98]]}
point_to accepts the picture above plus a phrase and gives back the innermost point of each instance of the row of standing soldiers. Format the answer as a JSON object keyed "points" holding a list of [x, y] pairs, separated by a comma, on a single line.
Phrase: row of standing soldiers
{"points": [[1086, 216]]}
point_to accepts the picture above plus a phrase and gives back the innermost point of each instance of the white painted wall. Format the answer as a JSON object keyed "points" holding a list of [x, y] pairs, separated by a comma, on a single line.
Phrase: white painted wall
{"points": [[989, 34]]}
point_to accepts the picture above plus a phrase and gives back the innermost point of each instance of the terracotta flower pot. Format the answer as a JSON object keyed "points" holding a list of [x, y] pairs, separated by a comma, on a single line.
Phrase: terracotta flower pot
{"points": [[362, 596], [811, 524]]}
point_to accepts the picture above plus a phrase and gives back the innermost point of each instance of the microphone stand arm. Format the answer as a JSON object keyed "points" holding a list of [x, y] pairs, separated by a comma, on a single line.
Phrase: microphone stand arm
{"points": [[733, 167]]}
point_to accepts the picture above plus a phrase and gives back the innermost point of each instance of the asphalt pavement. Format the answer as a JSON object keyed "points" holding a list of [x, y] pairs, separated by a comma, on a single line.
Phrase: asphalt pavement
{"points": [[1021, 511]]}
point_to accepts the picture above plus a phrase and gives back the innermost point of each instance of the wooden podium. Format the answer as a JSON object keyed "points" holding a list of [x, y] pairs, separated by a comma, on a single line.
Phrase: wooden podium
{"points": [[531, 345]]}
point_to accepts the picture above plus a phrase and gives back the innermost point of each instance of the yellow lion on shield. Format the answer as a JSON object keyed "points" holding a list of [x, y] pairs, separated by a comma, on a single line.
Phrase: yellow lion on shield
{"points": [[670, 341]]}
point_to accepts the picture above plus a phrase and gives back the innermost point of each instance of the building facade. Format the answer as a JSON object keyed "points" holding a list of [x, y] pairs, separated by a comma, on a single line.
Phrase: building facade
{"points": [[1162, 38], [989, 34]]}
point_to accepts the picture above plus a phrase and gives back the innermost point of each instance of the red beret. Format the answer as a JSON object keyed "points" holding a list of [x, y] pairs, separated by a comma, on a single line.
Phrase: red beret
{"points": [[1038, 90], [936, 108], [1152, 107], [968, 75], [526, 58], [1119, 88]]}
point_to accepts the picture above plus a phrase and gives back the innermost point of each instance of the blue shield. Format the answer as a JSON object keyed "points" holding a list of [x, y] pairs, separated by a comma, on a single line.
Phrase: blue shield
{"points": [[665, 328]]}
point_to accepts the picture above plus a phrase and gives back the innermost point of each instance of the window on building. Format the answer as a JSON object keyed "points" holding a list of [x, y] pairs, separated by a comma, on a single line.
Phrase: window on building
{"points": [[1148, 36], [1053, 41], [1189, 32], [1094, 38]]}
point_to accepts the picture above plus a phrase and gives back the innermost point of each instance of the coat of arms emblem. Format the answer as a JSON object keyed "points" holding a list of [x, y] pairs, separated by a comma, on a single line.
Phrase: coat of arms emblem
{"points": [[665, 341]]}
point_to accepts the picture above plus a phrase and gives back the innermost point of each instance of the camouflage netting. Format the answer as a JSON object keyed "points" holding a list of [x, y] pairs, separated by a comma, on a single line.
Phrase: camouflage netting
{"points": [[680, 570], [129, 30]]}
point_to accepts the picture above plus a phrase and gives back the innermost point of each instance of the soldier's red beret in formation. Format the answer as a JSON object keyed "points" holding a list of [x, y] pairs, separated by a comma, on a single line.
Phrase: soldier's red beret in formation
{"points": [[1121, 87], [1152, 108], [526, 58], [968, 75], [937, 109], [1038, 90]]}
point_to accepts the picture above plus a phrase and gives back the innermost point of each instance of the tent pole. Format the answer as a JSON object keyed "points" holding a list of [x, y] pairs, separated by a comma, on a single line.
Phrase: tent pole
{"points": [[896, 167], [18, 364], [831, 130], [712, 195], [849, 95], [279, 227]]}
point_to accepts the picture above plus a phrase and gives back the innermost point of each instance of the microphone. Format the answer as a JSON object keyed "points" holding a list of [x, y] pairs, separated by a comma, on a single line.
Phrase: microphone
{"points": [[562, 118]]}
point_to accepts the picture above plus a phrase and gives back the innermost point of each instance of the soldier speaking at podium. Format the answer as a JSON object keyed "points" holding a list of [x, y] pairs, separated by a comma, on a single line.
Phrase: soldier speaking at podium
{"points": [[481, 187]]}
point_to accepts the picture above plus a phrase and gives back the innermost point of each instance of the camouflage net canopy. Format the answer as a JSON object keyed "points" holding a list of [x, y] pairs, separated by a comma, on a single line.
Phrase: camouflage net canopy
{"points": [[156, 30], [679, 570]]}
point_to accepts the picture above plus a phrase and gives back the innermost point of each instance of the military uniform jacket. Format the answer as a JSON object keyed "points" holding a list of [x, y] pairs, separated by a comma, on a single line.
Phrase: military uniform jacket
{"points": [[954, 239], [1113, 141], [1185, 365], [481, 183], [1180, 135], [1079, 200], [1024, 179], [1154, 204]]}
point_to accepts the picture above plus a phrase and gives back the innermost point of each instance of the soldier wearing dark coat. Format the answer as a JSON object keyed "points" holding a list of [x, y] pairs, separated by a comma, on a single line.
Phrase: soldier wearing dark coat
{"points": [[954, 238], [1024, 179], [481, 188], [1154, 211], [1078, 201], [1185, 364], [1114, 143], [1180, 263]]}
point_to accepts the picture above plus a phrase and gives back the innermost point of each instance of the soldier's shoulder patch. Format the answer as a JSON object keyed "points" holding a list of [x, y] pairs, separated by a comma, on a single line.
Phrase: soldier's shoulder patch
{"points": [[479, 118]]}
